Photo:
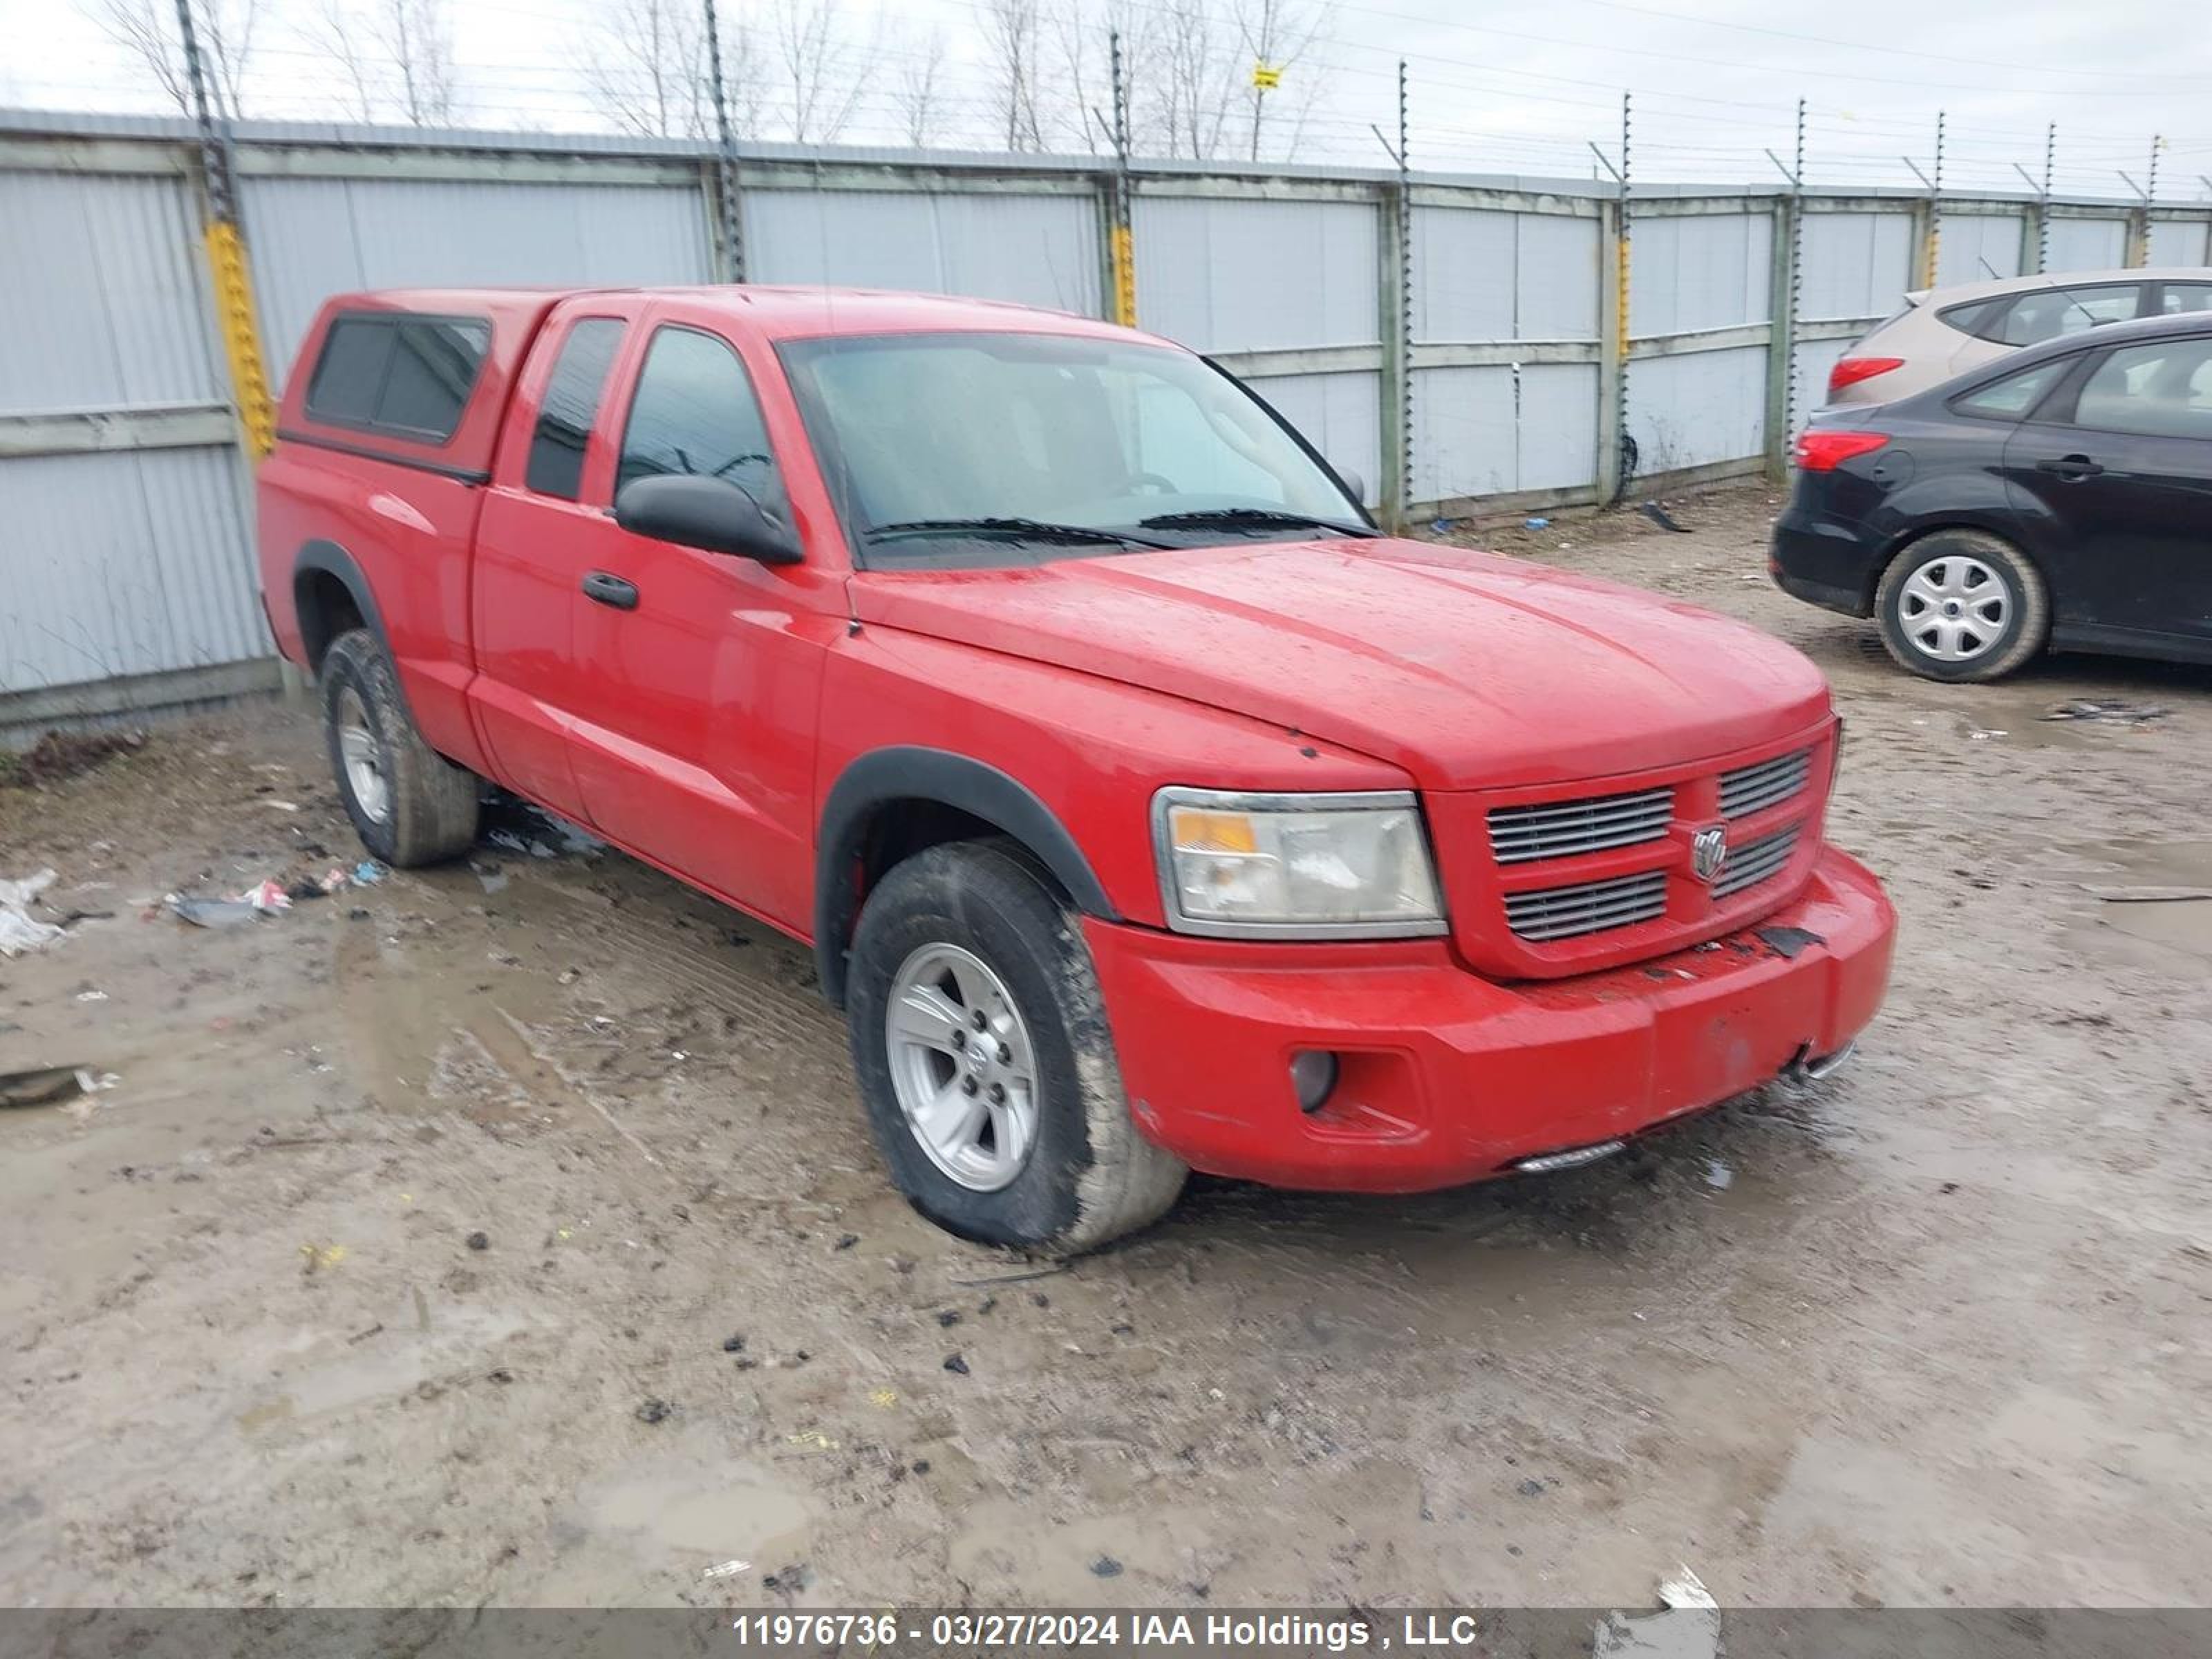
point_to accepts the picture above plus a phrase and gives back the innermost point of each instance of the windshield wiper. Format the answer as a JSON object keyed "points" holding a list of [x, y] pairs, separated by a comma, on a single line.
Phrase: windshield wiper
{"points": [[1025, 530], [1256, 518]]}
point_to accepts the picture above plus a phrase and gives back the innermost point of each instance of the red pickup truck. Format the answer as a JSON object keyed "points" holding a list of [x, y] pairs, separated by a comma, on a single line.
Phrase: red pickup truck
{"points": [[1145, 808]]}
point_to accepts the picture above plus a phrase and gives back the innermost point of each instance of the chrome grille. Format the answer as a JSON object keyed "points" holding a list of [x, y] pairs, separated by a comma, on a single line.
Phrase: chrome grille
{"points": [[1560, 829], [1754, 861], [1748, 789], [1588, 907]]}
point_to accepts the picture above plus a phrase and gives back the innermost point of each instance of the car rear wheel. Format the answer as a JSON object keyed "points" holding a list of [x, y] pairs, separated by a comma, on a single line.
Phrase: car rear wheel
{"points": [[985, 1060], [409, 804], [1962, 605]]}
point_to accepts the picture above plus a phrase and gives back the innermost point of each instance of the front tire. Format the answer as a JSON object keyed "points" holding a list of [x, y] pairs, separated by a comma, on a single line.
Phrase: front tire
{"points": [[409, 804], [985, 1060], [1962, 605]]}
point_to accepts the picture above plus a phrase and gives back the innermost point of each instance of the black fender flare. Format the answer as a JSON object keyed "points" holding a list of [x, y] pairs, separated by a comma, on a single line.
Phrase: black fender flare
{"points": [[328, 558], [912, 773]]}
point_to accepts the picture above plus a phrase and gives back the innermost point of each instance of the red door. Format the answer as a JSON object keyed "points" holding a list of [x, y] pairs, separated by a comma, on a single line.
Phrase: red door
{"points": [[698, 673], [537, 540]]}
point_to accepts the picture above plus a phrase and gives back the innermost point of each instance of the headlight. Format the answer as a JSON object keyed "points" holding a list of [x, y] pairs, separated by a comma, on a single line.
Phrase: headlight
{"points": [[1303, 867]]}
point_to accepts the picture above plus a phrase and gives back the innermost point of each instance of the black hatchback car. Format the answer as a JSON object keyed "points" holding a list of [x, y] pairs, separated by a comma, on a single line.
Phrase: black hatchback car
{"points": [[2061, 497]]}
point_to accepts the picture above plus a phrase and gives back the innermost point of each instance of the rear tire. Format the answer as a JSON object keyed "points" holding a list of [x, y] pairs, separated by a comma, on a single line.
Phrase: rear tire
{"points": [[974, 926], [409, 804], [1961, 605]]}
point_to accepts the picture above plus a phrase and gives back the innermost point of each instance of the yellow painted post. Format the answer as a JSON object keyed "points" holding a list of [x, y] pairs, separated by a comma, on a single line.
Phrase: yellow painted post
{"points": [[241, 337], [1124, 246]]}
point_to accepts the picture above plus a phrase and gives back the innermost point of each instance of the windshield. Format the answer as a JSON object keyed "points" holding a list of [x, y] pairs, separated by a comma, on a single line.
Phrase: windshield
{"points": [[981, 449]]}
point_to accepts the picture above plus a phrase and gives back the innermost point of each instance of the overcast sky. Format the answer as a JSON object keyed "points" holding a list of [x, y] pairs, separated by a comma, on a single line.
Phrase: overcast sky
{"points": [[1495, 88]]}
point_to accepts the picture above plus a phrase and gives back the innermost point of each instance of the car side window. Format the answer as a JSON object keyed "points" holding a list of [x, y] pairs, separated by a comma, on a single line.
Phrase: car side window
{"points": [[2013, 397], [571, 406], [2177, 299], [2049, 314], [695, 412], [2162, 389], [397, 372]]}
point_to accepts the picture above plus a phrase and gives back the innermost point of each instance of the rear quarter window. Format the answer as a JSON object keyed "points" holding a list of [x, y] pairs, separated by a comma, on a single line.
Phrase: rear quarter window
{"points": [[397, 372]]}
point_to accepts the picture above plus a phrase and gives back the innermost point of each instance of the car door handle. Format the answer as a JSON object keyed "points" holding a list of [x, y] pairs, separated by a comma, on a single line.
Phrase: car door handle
{"points": [[2069, 468], [603, 588]]}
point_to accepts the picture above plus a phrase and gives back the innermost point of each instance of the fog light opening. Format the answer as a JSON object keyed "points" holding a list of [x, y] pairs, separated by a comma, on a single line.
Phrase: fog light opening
{"points": [[1573, 1158], [1313, 1078]]}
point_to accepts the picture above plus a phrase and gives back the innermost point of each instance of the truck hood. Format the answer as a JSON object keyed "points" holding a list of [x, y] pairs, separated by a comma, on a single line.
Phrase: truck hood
{"points": [[1469, 669]]}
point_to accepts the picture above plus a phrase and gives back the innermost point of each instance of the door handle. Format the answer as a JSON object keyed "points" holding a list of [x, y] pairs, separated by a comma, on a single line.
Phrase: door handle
{"points": [[2070, 468], [603, 588]]}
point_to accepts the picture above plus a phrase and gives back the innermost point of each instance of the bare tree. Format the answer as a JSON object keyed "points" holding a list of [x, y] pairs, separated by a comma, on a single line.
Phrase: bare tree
{"points": [[644, 68], [824, 65], [336, 32], [1198, 68], [1013, 49], [417, 38], [1276, 34], [915, 97], [147, 30]]}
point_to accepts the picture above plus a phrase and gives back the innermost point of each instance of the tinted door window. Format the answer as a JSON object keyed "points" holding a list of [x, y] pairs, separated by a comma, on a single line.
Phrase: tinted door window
{"points": [[570, 407], [694, 411], [2178, 298], [410, 376], [2161, 389], [2046, 313], [2010, 399]]}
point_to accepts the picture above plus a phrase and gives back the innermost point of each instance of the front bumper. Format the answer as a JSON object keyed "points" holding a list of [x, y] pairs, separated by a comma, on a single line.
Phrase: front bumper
{"points": [[1447, 1078]]}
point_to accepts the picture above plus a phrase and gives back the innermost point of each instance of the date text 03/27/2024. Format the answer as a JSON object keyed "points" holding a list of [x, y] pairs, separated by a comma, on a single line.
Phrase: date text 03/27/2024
{"points": [[1012, 1630]]}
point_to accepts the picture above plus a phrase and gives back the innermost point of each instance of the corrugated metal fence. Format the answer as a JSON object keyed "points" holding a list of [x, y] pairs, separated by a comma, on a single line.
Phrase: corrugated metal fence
{"points": [[125, 550]]}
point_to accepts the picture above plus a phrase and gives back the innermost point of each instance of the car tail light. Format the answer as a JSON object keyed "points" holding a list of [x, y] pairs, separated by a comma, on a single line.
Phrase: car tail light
{"points": [[1821, 450], [1850, 371]]}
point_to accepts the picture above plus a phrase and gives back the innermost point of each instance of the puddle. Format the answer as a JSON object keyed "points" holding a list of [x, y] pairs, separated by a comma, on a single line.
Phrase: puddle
{"points": [[409, 1352], [716, 1510], [2155, 873]]}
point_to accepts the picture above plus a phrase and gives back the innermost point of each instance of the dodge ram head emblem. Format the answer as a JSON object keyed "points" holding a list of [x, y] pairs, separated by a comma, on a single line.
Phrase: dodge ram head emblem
{"points": [[1708, 853]]}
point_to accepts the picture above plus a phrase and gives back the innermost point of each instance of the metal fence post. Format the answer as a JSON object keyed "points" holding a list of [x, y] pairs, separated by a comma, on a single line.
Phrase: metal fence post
{"points": [[1395, 304], [228, 268], [1612, 348], [730, 214], [1121, 232]]}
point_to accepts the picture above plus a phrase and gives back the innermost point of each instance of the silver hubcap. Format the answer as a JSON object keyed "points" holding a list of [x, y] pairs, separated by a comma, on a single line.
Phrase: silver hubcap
{"points": [[1953, 609], [962, 1066], [363, 758]]}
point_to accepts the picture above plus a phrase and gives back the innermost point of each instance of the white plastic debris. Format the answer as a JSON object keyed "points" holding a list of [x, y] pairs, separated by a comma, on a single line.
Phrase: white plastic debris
{"points": [[18, 933], [1690, 1628], [729, 1569]]}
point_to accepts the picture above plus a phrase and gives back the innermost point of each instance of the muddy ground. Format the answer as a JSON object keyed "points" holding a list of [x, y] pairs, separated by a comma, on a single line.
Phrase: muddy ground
{"points": [[1932, 1332]]}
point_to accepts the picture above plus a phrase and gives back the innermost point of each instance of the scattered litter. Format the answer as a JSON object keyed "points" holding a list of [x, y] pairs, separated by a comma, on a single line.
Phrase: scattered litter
{"points": [[1440, 526], [1788, 942], [846, 1241], [948, 1317], [92, 996], [319, 1257], [1689, 1628], [2119, 712], [1105, 1567], [654, 1410], [813, 1440], [367, 873], [1660, 516], [1718, 1176], [956, 1364], [274, 804], [210, 913], [733, 1344], [51, 1086], [493, 876], [479, 1241], [1535, 523], [726, 1569], [1531, 1488], [1980, 736], [270, 897], [2148, 895], [883, 1398], [18, 933], [794, 1579]]}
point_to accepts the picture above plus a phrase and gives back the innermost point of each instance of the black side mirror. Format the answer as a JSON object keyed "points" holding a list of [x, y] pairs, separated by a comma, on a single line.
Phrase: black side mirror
{"points": [[712, 515]]}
